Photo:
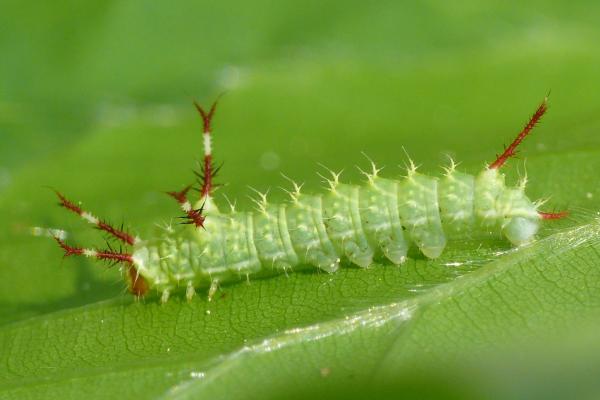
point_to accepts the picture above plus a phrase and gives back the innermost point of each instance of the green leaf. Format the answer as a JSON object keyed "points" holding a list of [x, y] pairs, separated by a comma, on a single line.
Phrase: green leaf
{"points": [[105, 118]]}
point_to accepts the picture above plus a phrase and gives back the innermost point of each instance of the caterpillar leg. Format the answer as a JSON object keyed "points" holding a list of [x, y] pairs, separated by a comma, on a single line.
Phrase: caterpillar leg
{"points": [[190, 291], [164, 297], [214, 286]]}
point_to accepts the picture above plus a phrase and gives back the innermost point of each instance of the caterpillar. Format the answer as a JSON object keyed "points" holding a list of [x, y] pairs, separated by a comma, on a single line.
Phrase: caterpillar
{"points": [[350, 223]]}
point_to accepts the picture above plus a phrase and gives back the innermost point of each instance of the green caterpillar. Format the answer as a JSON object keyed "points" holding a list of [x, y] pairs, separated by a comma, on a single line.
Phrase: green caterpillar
{"points": [[381, 217]]}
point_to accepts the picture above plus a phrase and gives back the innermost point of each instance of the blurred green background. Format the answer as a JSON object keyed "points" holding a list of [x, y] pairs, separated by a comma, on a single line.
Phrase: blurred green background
{"points": [[95, 100]]}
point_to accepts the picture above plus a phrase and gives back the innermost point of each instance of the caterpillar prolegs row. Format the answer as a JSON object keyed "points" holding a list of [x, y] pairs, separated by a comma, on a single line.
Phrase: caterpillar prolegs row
{"points": [[348, 223]]}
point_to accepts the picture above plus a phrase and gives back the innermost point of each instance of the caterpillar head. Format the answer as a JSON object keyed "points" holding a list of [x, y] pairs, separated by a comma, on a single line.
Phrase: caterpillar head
{"points": [[138, 285]]}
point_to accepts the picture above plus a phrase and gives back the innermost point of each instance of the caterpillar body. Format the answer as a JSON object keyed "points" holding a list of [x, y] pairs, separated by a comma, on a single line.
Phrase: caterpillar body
{"points": [[350, 223]]}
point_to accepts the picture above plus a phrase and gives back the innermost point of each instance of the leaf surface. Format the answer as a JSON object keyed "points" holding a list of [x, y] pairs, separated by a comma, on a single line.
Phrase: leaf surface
{"points": [[484, 320]]}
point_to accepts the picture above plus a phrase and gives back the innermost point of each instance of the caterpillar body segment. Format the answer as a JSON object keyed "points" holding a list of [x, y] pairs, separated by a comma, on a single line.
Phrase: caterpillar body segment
{"points": [[380, 218], [272, 238], [309, 237], [343, 221], [456, 195], [348, 224], [419, 212]]}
